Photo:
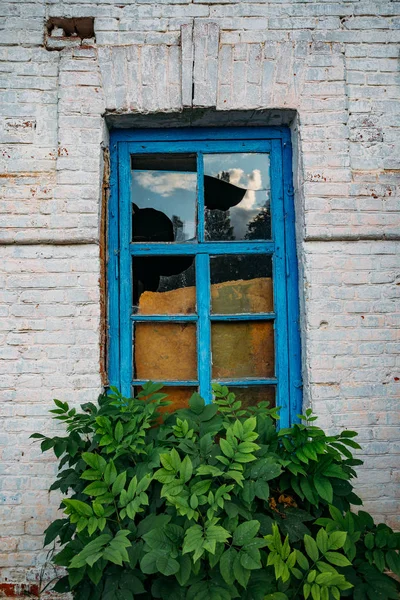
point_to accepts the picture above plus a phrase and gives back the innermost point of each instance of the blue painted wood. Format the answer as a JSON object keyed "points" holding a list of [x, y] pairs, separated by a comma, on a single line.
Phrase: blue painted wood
{"points": [[244, 317], [248, 381], [200, 198], [199, 133], [240, 247], [125, 270], [259, 146], [112, 272], [204, 325], [288, 366], [170, 383], [167, 318], [294, 340], [279, 279]]}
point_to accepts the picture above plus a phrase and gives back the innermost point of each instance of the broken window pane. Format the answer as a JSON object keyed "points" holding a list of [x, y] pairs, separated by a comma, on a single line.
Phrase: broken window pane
{"points": [[164, 285], [237, 196], [241, 283], [252, 395], [159, 351], [242, 349], [163, 193]]}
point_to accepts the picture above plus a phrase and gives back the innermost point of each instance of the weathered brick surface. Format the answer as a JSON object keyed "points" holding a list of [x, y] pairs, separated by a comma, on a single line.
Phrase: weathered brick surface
{"points": [[336, 64]]}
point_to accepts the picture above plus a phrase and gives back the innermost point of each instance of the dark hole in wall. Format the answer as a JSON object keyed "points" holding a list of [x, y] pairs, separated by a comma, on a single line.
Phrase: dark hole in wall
{"points": [[82, 27]]}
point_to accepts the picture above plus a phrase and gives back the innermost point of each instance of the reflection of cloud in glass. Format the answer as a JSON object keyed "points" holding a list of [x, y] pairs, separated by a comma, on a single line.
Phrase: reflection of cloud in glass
{"points": [[246, 170], [171, 192], [165, 183]]}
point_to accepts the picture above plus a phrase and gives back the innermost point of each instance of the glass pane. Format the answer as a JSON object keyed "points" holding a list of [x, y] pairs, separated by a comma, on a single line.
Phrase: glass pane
{"points": [[163, 197], [252, 395], [237, 196], [177, 396], [164, 285], [165, 351], [241, 283], [242, 349]]}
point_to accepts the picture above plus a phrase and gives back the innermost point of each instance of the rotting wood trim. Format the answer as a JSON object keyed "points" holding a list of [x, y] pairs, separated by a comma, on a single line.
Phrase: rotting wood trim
{"points": [[105, 187]]}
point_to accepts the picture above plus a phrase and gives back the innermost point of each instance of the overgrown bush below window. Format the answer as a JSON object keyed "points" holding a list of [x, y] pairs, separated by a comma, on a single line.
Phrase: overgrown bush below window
{"points": [[211, 502]]}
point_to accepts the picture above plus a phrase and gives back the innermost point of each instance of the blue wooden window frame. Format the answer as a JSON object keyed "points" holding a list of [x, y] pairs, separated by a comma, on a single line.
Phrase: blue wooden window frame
{"points": [[282, 248]]}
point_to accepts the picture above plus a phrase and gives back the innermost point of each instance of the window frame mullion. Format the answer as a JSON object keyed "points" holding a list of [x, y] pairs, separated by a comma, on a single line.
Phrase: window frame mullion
{"points": [[279, 282], [125, 236], [203, 298]]}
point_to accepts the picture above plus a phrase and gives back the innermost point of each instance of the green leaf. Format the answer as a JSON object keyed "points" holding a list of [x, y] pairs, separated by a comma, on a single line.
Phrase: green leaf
{"points": [[322, 540], [91, 475], [201, 487], [78, 507], [302, 560], [75, 576], [94, 460], [241, 574], [265, 469], [164, 476], [171, 461], [276, 596], [324, 488], [119, 484], [53, 530], [337, 540], [226, 565], [185, 569], [393, 561], [196, 403], [292, 523], [249, 424], [92, 548], [308, 490], [119, 431], [339, 560], [245, 533], [98, 509], [113, 555], [193, 539], [143, 484], [226, 448], [110, 473], [311, 548], [250, 557], [248, 492], [186, 469], [92, 525], [379, 560], [262, 490], [216, 533], [97, 488], [369, 541], [167, 565], [315, 591]]}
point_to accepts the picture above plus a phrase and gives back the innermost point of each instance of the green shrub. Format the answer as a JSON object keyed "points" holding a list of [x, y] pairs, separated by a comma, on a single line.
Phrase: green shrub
{"points": [[211, 503]]}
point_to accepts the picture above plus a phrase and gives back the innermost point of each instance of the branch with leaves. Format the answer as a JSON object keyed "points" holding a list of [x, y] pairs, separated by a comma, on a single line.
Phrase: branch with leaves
{"points": [[210, 502]]}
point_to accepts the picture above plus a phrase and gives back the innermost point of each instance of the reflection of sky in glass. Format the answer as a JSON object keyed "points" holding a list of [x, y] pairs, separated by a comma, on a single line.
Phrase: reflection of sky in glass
{"points": [[246, 170], [171, 192], [174, 192]]}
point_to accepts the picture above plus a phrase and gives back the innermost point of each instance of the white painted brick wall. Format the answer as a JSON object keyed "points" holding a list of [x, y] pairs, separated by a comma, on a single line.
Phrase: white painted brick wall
{"points": [[336, 64]]}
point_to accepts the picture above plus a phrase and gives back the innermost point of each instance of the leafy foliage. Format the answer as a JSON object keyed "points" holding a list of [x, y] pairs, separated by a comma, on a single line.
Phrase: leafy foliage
{"points": [[210, 502]]}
